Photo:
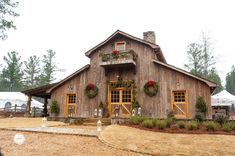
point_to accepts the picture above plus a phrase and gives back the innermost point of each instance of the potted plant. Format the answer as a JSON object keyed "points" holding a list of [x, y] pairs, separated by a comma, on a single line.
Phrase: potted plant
{"points": [[54, 108]]}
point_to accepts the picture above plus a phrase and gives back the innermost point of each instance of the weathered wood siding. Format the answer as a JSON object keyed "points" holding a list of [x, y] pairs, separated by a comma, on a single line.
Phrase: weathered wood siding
{"points": [[146, 69]]}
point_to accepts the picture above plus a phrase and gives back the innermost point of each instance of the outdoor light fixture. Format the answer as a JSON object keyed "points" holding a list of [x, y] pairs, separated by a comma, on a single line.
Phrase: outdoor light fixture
{"points": [[133, 112], [139, 111], [44, 121], [116, 111], [99, 126]]}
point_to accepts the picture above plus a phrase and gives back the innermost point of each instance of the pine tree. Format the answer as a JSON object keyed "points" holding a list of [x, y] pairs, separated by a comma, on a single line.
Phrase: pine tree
{"points": [[230, 81], [32, 72], [12, 73]]}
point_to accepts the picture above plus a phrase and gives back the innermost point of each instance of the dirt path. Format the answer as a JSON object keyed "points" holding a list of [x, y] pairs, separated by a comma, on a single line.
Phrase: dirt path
{"points": [[124, 137], [37, 144]]}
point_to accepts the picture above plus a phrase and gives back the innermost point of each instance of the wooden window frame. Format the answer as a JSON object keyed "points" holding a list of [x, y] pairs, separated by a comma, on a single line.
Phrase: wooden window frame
{"points": [[186, 103], [120, 42]]}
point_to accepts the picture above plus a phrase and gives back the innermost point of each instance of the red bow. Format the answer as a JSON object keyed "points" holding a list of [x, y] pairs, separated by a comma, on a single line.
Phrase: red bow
{"points": [[91, 86], [151, 83], [115, 52]]}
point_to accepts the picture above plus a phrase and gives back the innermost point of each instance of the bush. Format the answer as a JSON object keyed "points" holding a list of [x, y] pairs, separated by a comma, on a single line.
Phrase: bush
{"points": [[169, 121], [201, 105], [181, 124], [220, 118], [55, 107], [175, 126], [171, 115], [199, 118], [232, 125], [193, 125], [136, 120], [161, 124], [147, 123], [227, 127], [211, 126]]}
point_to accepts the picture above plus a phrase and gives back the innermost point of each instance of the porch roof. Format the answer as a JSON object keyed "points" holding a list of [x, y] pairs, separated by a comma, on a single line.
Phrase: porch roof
{"points": [[39, 91]]}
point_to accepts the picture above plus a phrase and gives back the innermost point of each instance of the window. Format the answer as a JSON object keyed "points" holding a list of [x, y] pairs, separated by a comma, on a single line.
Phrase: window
{"points": [[72, 99], [120, 46]]}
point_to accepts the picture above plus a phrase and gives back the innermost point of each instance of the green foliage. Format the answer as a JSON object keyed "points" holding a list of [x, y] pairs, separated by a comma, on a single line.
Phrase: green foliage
{"points": [[11, 78], [199, 118], [160, 124], [230, 81], [136, 120], [101, 105], [7, 11], [171, 115], [227, 127], [91, 93], [32, 71], [220, 118], [49, 68], [193, 125], [201, 105], [181, 124], [214, 77], [211, 126], [147, 123], [55, 107], [135, 104], [169, 121]]}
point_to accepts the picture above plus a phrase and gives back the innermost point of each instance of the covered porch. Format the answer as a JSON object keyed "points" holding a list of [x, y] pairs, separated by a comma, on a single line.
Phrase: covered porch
{"points": [[40, 92]]}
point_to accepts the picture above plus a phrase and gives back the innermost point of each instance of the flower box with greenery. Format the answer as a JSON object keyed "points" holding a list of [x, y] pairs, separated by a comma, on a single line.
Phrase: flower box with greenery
{"points": [[54, 109]]}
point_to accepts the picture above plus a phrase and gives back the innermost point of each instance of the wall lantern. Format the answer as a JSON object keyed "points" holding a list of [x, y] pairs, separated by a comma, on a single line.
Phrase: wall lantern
{"points": [[133, 112], [116, 110]]}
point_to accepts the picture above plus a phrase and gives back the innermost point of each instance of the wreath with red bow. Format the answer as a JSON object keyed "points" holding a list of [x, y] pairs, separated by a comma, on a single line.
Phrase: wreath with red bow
{"points": [[91, 90], [151, 88], [115, 54]]}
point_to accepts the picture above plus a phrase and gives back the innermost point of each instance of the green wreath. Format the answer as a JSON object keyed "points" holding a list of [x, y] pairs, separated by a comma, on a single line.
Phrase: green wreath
{"points": [[151, 84], [91, 90]]}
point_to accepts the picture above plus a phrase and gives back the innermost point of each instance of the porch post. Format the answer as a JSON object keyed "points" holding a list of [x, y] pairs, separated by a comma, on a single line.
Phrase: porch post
{"points": [[45, 107], [28, 104]]}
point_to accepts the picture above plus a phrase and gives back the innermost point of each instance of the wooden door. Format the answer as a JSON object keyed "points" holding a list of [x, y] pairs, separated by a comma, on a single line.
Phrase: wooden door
{"points": [[179, 103], [121, 98], [70, 108]]}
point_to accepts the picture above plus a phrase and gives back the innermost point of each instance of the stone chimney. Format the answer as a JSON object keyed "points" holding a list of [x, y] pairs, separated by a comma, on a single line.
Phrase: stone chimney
{"points": [[149, 36]]}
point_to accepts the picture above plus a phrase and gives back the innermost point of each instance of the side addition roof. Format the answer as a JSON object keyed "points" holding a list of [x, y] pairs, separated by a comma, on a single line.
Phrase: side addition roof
{"points": [[69, 77], [118, 32], [212, 85]]}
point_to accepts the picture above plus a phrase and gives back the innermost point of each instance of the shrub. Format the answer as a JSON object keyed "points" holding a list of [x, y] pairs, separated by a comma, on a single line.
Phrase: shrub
{"points": [[171, 115], [181, 124], [227, 127], [55, 107], [134, 120], [201, 105], [169, 121], [193, 125], [199, 118], [175, 126], [147, 123], [232, 125], [161, 124], [211, 126], [220, 118]]}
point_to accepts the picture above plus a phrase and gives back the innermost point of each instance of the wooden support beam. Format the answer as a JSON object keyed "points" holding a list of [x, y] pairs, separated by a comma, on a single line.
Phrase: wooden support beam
{"points": [[45, 107], [29, 104]]}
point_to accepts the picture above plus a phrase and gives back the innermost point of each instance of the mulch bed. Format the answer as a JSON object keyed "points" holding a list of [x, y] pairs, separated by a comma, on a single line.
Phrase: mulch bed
{"points": [[183, 131]]}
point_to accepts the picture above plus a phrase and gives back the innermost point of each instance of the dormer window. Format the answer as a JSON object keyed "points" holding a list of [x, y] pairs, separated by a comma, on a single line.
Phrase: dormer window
{"points": [[120, 46]]}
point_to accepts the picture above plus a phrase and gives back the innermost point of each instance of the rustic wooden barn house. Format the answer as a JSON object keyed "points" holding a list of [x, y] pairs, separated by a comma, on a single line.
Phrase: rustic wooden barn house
{"points": [[125, 71]]}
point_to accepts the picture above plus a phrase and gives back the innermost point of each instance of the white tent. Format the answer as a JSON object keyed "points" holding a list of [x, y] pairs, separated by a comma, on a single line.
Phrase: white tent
{"points": [[223, 98], [17, 98]]}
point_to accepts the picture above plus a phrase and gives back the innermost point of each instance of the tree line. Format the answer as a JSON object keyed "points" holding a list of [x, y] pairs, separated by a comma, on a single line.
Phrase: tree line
{"points": [[17, 75], [201, 62]]}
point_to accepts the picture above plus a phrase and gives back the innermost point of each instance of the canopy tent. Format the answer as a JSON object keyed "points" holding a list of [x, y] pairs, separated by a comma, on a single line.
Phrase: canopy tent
{"points": [[17, 98], [223, 98]]}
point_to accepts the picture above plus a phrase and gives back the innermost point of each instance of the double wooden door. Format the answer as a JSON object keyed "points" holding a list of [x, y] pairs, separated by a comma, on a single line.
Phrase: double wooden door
{"points": [[120, 98]]}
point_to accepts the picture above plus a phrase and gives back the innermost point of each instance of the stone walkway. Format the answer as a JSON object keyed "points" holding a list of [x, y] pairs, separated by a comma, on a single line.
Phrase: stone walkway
{"points": [[58, 130]]}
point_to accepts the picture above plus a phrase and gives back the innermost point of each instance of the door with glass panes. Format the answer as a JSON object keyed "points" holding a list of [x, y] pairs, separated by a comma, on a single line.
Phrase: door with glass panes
{"points": [[120, 98], [70, 108]]}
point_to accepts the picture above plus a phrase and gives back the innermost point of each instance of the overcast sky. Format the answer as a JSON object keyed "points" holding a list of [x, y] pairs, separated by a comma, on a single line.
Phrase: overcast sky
{"points": [[72, 27]]}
